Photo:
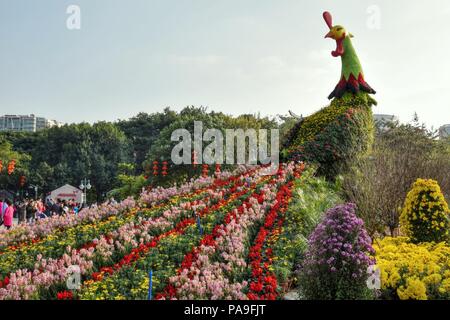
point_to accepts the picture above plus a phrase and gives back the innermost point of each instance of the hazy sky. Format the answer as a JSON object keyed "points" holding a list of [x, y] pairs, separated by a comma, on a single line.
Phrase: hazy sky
{"points": [[235, 56]]}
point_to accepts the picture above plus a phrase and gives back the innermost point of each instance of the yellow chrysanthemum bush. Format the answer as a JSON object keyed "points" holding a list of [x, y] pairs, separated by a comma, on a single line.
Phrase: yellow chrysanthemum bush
{"points": [[425, 214], [413, 271]]}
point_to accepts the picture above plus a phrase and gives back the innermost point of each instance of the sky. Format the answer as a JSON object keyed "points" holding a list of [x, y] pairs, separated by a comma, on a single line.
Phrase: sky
{"points": [[234, 56]]}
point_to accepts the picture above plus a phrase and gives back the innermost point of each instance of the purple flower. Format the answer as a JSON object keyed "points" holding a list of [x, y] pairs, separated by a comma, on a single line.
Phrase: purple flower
{"points": [[339, 244]]}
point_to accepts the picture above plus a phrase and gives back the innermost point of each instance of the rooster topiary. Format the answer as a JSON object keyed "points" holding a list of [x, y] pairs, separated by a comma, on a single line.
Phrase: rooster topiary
{"points": [[352, 77], [338, 134]]}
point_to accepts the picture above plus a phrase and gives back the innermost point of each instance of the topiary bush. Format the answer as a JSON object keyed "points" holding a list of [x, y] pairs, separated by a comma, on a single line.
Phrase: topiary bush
{"points": [[334, 136], [425, 214], [338, 257]]}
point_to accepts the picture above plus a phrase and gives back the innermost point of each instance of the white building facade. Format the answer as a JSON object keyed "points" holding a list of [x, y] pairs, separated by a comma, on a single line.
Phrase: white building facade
{"points": [[26, 123], [444, 131], [383, 120]]}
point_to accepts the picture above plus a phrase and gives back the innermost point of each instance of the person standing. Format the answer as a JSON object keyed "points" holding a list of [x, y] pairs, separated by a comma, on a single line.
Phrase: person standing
{"points": [[55, 208], [8, 216], [30, 212], [65, 209], [3, 206], [21, 211], [1, 211]]}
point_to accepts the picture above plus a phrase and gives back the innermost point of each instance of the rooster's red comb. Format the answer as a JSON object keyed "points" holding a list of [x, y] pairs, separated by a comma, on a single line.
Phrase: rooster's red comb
{"points": [[328, 19]]}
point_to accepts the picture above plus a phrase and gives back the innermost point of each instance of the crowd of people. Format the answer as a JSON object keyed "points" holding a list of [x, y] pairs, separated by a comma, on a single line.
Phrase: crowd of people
{"points": [[29, 211]]}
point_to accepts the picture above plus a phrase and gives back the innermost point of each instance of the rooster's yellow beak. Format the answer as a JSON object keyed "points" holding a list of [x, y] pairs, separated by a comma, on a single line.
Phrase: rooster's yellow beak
{"points": [[330, 35]]}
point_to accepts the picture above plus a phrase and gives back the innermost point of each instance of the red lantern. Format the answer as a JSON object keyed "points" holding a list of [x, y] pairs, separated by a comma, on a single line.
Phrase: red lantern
{"points": [[194, 158], [164, 168], [155, 168], [1, 165], [11, 166]]}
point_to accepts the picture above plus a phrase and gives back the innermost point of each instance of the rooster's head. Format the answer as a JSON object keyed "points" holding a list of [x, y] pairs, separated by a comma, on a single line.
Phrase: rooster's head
{"points": [[338, 33]]}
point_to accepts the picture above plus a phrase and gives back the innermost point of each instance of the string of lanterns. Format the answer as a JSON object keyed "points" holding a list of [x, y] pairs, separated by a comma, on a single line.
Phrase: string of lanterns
{"points": [[162, 168], [10, 168], [156, 171]]}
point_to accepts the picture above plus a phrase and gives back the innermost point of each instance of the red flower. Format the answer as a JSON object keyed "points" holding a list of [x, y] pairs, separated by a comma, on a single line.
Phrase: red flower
{"points": [[271, 281], [171, 290], [270, 296], [252, 296], [256, 272], [208, 241], [65, 295], [97, 276], [108, 270], [256, 286], [187, 262]]}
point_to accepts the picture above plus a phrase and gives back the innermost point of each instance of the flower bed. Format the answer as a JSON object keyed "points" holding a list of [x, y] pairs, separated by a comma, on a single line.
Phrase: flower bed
{"points": [[241, 217], [162, 256], [215, 269], [55, 244], [264, 284], [113, 246], [413, 271], [26, 234]]}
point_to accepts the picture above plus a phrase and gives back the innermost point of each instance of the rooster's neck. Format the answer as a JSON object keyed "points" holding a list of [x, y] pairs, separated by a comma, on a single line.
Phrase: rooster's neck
{"points": [[350, 60]]}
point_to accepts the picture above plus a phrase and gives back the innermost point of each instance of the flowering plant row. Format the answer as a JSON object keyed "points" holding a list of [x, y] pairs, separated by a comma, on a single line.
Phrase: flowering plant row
{"points": [[162, 254], [54, 245], [48, 273], [218, 268], [264, 283], [25, 233], [129, 279], [214, 269]]}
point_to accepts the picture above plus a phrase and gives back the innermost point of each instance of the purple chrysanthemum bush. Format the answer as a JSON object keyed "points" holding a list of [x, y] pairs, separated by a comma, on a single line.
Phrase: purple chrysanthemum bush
{"points": [[336, 263]]}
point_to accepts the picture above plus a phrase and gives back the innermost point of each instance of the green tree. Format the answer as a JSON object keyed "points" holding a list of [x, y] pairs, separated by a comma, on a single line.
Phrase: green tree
{"points": [[11, 181], [379, 182], [162, 147], [143, 130]]}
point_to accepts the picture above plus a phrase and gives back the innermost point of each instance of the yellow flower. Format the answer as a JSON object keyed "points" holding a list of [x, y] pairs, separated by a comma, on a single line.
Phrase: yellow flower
{"points": [[445, 286], [433, 279], [414, 290], [416, 266]]}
